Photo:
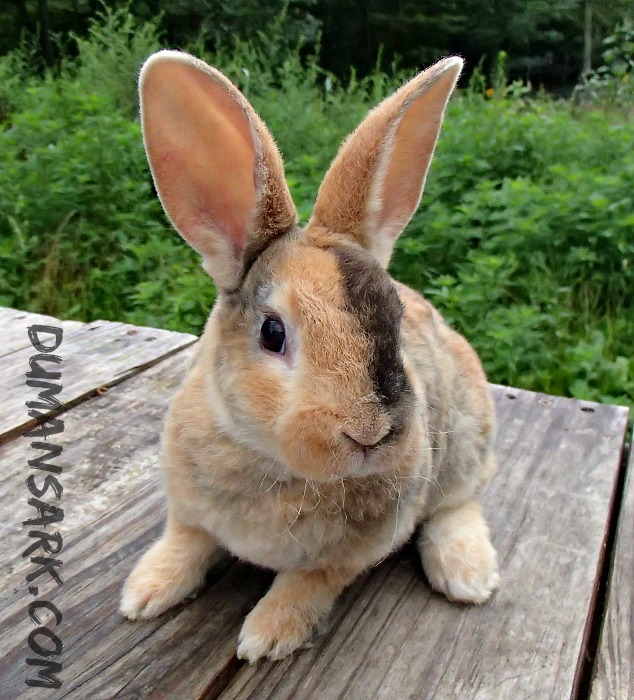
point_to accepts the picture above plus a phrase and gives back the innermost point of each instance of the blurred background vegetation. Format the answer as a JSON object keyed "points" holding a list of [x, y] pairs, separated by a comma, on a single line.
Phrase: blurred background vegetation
{"points": [[524, 239], [548, 42]]}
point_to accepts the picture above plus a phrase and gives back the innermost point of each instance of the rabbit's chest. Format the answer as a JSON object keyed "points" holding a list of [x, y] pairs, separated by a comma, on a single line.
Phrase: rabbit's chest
{"points": [[281, 530], [274, 533]]}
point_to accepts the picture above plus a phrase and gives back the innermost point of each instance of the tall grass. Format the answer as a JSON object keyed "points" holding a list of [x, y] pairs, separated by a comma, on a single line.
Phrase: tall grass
{"points": [[524, 240]]}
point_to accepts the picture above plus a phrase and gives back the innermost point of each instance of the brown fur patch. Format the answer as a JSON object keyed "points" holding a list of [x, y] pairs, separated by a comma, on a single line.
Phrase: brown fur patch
{"points": [[372, 298]]}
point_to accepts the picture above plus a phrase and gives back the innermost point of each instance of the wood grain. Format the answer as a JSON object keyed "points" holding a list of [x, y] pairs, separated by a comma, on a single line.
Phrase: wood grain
{"points": [[14, 325], [614, 677], [110, 449], [94, 355], [548, 508]]}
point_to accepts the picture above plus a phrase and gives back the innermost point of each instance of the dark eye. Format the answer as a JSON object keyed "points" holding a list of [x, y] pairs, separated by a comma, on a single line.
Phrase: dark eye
{"points": [[272, 336]]}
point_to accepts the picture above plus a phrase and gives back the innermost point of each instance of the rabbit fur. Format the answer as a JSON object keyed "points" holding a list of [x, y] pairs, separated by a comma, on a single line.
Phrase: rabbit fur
{"points": [[320, 457]]}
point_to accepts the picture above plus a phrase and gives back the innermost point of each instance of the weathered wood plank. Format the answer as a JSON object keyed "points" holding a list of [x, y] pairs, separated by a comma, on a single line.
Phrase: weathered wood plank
{"points": [[548, 509], [14, 325], [114, 507], [94, 355], [110, 449], [614, 676]]}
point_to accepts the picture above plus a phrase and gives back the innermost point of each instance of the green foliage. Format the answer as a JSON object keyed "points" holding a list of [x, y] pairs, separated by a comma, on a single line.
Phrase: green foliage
{"points": [[110, 58], [524, 240], [81, 231], [612, 83]]}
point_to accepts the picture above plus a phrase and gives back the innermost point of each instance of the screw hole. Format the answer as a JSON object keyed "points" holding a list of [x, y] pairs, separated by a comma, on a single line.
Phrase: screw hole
{"points": [[511, 396], [587, 409]]}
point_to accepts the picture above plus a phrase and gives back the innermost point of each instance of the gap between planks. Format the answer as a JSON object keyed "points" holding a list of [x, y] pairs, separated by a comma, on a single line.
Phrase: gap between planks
{"points": [[582, 688], [95, 357], [613, 668]]}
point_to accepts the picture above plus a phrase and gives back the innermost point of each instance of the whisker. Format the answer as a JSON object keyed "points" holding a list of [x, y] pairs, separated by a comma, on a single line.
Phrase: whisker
{"points": [[266, 473]]}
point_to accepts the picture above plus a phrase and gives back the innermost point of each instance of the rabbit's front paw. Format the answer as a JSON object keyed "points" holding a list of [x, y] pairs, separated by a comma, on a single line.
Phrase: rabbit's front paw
{"points": [[285, 618], [168, 572], [155, 585], [457, 555], [274, 631]]}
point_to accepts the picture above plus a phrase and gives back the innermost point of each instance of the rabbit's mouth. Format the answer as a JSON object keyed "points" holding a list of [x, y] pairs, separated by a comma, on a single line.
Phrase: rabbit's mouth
{"points": [[369, 448], [319, 449], [397, 451]]}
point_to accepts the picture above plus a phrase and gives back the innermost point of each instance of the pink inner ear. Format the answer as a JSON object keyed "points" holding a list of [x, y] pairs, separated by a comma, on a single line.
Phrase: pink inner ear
{"points": [[200, 147]]}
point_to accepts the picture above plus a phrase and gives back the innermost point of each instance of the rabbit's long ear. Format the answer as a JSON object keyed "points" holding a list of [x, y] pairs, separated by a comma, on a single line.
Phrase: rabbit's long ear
{"points": [[376, 181], [216, 168]]}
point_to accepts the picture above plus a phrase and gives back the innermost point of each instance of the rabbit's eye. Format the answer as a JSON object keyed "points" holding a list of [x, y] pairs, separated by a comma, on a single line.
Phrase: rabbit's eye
{"points": [[272, 336]]}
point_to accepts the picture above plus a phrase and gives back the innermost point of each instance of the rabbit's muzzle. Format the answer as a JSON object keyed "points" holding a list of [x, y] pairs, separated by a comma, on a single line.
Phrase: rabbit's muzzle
{"points": [[320, 444]]}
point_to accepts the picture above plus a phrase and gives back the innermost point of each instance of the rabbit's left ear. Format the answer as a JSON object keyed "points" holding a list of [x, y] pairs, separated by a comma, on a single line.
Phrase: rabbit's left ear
{"points": [[375, 183]]}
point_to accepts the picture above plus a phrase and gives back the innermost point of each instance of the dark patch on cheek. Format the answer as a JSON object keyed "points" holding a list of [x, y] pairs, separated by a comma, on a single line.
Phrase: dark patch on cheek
{"points": [[372, 298]]}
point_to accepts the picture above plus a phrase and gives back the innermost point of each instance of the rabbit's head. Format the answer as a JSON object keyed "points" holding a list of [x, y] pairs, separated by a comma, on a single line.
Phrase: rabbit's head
{"points": [[303, 350]]}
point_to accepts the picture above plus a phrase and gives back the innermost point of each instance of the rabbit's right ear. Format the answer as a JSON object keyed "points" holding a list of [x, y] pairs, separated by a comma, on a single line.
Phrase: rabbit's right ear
{"points": [[216, 168], [376, 181]]}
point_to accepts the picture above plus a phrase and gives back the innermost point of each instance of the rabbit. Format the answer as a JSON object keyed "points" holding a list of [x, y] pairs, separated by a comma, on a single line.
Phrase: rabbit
{"points": [[329, 413]]}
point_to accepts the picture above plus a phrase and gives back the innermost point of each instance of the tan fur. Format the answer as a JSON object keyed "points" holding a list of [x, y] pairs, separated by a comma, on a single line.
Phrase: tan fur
{"points": [[457, 555], [281, 458], [287, 614]]}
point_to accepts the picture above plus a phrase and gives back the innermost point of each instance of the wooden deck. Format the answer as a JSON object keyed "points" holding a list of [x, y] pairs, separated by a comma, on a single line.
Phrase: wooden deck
{"points": [[561, 511]]}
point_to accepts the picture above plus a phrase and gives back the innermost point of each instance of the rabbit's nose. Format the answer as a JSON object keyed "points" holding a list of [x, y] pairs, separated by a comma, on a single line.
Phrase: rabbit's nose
{"points": [[367, 438], [366, 425]]}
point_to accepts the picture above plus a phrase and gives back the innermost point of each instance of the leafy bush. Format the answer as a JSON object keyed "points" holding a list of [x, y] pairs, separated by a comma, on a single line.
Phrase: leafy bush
{"points": [[611, 83], [524, 240]]}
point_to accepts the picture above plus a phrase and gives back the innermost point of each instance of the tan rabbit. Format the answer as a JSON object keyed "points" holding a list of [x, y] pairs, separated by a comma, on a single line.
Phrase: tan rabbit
{"points": [[329, 410]]}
